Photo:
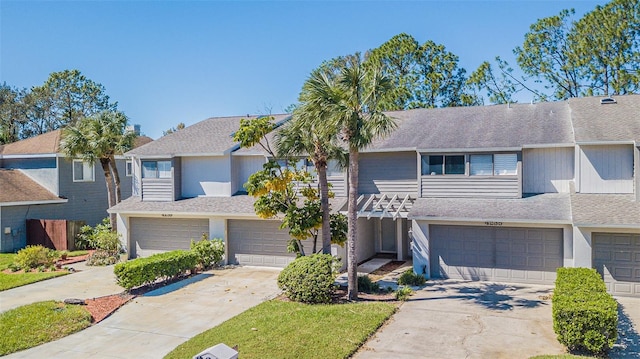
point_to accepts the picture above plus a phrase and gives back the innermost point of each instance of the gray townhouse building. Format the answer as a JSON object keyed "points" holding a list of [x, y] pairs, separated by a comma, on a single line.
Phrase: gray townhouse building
{"points": [[38, 182], [504, 193]]}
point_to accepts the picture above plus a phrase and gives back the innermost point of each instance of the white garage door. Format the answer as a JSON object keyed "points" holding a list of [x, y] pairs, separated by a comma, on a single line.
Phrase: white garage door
{"points": [[522, 255], [617, 259], [258, 243], [155, 235]]}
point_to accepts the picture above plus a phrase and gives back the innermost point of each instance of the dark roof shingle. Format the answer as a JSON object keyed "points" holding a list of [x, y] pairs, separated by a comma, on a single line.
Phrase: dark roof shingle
{"points": [[18, 187]]}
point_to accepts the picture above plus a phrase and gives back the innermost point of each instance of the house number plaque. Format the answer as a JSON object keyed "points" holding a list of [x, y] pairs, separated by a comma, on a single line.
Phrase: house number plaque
{"points": [[493, 224]]}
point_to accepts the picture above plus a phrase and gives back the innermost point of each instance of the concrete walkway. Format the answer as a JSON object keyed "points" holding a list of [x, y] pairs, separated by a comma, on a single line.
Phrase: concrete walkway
{"points": [[152, 325], [88, 282]]}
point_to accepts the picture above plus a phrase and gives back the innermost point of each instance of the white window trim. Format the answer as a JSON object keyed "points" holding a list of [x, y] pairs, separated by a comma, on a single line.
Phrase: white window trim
{"points": [[84, 164], [128, 168]]}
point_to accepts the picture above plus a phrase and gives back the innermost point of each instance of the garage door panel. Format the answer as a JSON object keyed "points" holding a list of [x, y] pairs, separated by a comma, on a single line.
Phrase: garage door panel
{"points": [[155, 235], [615, 257], [508, 254], [258, 242]]}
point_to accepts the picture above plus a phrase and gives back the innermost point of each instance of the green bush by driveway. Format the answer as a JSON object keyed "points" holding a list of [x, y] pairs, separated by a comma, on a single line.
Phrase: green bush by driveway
{"points": [[12, 280], [283, 330]]}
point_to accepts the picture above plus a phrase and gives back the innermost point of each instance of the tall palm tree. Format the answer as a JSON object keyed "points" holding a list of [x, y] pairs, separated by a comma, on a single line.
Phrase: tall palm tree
{"points": [[100, 138], [301, 137], [349, 108]]}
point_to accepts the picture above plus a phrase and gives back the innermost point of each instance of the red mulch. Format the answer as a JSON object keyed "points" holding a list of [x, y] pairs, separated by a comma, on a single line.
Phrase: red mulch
{"points": [[102, 307]]}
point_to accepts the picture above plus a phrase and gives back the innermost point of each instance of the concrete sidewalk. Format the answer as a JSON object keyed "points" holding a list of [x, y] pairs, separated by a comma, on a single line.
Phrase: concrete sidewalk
{"points": [[88, 282], [152, 325]]}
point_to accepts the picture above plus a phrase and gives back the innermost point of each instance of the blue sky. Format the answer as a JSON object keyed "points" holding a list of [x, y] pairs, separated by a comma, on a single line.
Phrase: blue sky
{"points": [[166, 62]]}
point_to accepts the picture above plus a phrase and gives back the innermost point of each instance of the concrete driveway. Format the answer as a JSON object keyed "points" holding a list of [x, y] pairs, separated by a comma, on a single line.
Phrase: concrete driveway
{"points": [[462, 319], [152, 325]]}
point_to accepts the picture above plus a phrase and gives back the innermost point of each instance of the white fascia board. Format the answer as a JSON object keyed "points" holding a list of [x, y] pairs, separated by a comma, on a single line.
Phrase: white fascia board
{"points": [[469, 150], [154, 157], [390, 150], [178, 214], [600, 143], [549, 145], [29, 203], [37, 155], [482, 220], [203, 154], [607, 226]]}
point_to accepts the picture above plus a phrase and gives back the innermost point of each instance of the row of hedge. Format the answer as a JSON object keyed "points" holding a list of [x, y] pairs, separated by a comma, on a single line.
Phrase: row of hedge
{"points": [[161, 266], [585, 316]]}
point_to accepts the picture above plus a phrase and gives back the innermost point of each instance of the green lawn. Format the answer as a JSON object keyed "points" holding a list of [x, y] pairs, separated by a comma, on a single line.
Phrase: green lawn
{"points": [[34, 324], [277, 329], [8, 281]]}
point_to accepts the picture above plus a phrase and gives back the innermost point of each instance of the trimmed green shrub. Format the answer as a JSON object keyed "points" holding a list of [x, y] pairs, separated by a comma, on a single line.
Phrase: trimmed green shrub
{"points": [[209, 252], [162, 266], [411, 278], [33, 257], [309, 279], [403, 293], [585, 316], [366, 285]]}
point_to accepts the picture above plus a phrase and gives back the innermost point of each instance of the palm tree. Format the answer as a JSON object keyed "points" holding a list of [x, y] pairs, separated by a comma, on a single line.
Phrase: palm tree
{"points": [[301, 136], [100, 138], [348, 107]]}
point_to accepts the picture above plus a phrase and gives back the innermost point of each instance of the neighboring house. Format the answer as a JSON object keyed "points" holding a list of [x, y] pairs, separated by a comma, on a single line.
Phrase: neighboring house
{"points": [[38, 182], [503, 193]]}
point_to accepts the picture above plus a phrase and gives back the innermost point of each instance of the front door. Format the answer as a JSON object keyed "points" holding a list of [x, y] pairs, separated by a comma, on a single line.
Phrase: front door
{"points": [[388, 236]]}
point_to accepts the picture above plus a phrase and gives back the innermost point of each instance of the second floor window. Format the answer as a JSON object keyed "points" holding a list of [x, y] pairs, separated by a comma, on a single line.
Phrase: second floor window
{"points": [[82, 171], [443, 165], [493, 165], [156, 169], [128, 168]]}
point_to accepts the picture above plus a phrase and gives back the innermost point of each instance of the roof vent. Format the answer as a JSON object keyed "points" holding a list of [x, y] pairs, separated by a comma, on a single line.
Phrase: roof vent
{"points": [[607, 100]]}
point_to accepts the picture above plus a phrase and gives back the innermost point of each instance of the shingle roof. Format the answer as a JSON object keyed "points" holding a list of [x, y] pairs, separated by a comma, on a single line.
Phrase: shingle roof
{"points": [[593, 121], [235, 205], [550, 207], [496, 126], [605, 209], [18, 187], [42, 144], [211, 136]]}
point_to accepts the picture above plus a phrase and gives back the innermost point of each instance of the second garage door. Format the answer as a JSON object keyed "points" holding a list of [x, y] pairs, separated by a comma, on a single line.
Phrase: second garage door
{"points": [[522, 255], [259, 243], [617, 257], [154, 235]]}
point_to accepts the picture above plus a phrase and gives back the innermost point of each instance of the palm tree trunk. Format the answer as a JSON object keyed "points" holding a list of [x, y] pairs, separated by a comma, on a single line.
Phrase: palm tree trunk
{"points": [[352, 218], [116, 178], [104, 162], [324, 207]]}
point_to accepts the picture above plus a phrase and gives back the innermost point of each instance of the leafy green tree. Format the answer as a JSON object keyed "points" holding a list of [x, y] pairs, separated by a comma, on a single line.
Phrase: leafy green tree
{"points": [[606, 44], [350, 103], [422, 76], [282, 188], [11, 113], [547, 53], [100, 138]]}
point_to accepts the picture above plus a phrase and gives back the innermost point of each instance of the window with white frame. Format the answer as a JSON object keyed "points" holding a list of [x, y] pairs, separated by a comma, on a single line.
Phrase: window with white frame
{"points": [[493, 165], [443, 165], [156, 169], [83, 171], [128, 169]]}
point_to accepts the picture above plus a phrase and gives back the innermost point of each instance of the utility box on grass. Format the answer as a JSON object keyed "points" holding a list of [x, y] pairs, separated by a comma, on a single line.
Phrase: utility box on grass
{"points": [[220, 351]]}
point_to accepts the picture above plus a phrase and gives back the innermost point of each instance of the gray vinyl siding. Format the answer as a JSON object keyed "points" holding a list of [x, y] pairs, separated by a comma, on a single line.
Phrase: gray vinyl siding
{"points": [[605, 169], [471, 186], [366, 240], [547, 170], [388, 173], [339, 185], [41, 170], [88, 201]]}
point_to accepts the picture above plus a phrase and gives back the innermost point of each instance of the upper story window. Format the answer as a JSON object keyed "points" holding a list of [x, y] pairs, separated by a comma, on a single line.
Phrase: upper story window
{"points": [[128, 169], [298, 164], [83, 171], [493, 165], [156, 169], [443, 165]]}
